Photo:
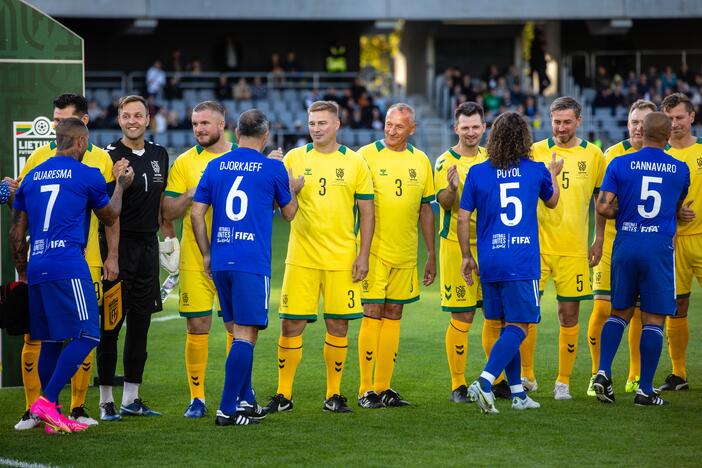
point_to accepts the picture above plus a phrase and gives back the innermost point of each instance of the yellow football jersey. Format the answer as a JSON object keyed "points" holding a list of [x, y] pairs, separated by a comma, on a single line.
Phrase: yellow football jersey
{"points": [[692, 156], [402, 181], [323, 233], [94, 157], [620, 149], [564, 229], [184, 175], [448, 219]]}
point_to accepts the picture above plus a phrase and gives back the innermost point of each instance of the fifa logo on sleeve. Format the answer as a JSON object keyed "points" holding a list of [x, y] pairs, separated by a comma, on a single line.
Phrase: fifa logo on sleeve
{"points": [[340, 173], [284, 299], [582, 166], [364, 285], [185, 298]]}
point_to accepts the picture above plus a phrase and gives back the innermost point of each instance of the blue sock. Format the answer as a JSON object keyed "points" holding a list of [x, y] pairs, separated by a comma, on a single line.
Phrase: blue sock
{"points": [[506, 346], [247, 393], [609, 342], [71, 357], [237, 368], [650, 347], [513, 372], [48, 356]]}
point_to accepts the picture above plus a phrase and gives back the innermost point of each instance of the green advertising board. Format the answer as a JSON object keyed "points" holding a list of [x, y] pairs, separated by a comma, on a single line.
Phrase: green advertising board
{"points": [[39, 59]]}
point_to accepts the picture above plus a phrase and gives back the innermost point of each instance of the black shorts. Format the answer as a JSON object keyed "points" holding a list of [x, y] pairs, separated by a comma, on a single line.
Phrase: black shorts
{"points": [[139, 272]]}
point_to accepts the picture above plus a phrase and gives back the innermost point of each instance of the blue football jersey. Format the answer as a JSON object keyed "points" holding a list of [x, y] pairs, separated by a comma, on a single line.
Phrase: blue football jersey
{"points": [[241, 186], [57, 196], [506, 224], [648, 184]]}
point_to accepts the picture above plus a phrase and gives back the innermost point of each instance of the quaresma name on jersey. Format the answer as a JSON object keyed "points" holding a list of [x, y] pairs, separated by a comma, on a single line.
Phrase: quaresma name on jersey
{"points": [[57, 196]]}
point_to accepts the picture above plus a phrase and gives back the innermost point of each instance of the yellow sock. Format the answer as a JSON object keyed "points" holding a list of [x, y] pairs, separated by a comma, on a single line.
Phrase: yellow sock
{"points": [[567, 351], [678, 334], [457, 351], [289, 356], [230, 340], [30, 370], [81, 380], [196, 349], [600, 313], [368, 337], [388, 344], [335, 349], [491, 333], [634, 342], [527, 351]]}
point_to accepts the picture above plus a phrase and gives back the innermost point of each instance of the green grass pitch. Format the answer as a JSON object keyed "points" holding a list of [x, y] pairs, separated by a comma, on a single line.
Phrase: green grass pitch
{"points": [[432, 432]]}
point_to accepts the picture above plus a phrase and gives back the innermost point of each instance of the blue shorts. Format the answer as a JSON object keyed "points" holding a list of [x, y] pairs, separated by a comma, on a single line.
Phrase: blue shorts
{"points": [[512, 301], [243, 297], [63, 309], [643, 266]]}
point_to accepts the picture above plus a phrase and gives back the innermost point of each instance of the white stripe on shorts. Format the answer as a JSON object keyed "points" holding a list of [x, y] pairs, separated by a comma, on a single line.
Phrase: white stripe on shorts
{"points": [[535, 284], [268, 291], [79, 298]]}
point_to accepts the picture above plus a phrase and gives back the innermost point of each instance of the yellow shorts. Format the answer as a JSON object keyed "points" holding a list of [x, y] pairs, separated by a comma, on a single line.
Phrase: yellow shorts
{"points": [[688, 262], [386, 283], [299, 299], [601, 285], [198, 294], [456, 294], [96, 276], [570, 274]]}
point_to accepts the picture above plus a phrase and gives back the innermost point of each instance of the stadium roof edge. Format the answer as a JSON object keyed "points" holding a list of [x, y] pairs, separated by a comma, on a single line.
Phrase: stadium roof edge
{"points": [[336, 10]]}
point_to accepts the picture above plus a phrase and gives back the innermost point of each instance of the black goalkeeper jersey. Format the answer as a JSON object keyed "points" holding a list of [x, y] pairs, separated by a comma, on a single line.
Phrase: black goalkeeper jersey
{"points": [[142, 200]]}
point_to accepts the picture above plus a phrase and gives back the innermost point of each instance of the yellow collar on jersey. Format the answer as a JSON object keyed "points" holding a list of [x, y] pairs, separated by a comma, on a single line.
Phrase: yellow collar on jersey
{"points": [[310, 147], [53, 146], [551, 143], [379, 146]]}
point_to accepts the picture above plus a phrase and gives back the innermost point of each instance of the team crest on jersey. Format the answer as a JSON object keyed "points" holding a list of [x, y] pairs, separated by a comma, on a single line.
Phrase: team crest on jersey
{"points": [[460, 292], [383, 172], [582, 166], [413, 174], [364, 284], [156, 167], [339, 173], [308, 171], [185, 298], [699, 163]]}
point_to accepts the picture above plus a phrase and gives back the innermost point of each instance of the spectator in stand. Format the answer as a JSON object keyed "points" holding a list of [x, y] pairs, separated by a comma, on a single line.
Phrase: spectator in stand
{"points": [[176, 61], [357, 89], [111, 113], [195, 67], [291, 64], [223, 91], [160, 127], [537, 61], [259, 91], [669, 80], [277, 67], [603, 98], [377, 122], [516, 95], [493, 100], [155, 79], [356, 119], [242, 90], [344, 117], [603, 80], [94, 111], [618, 99], [512, 77], [492, 75], [644, 89], [530, 109], [172, 90], [312, 96], [331, 95], [173, 120]]}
